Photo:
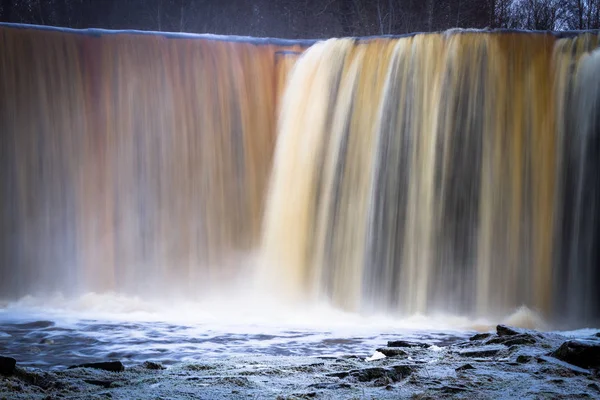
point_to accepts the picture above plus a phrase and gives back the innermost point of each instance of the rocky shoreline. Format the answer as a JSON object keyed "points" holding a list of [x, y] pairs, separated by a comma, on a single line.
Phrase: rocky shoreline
{"points": [[510, 363]]}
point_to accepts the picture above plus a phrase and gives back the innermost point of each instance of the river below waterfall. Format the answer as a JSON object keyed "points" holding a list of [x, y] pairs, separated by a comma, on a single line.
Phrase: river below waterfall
{"points": [[222, 354], [54, 338], [56, 332]]}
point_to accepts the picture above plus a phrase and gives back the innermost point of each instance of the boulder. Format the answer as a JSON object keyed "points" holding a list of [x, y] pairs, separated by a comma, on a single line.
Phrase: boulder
{"points": [[484, 351], [370, 374], [330, 386], [464, 367], [7, 365], [503, 330], [98, 382], [582, 353], [152, 365], [404, 343], [523, 359], [454, 389], [394, 373], [392, 352], [480, 336], [511, 340]]}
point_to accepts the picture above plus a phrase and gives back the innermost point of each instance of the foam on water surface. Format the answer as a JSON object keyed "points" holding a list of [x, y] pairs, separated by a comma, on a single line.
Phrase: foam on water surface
{"points": [[57, 332]]}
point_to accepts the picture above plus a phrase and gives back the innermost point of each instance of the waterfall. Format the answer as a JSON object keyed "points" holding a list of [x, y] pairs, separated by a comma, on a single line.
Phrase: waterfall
{"points": [[132, 163], [450, 172]]}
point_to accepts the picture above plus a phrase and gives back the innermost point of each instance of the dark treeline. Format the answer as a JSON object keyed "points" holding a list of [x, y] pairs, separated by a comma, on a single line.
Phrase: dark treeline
{"points": [[305, 18]]}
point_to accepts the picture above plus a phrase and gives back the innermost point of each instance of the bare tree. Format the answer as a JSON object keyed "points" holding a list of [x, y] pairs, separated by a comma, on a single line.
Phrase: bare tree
{"points": [[582, 14], [500, 13], [538, 14], [385, 14]]}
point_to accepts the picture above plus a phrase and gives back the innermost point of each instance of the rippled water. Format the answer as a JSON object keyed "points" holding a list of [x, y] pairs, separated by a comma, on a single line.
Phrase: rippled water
{"points": [[50, 337], [54, 344], [57, 332]]}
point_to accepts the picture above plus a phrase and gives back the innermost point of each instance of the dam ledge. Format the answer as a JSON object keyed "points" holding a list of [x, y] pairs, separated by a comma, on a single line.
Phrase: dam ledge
{"points": [[98, 32]]}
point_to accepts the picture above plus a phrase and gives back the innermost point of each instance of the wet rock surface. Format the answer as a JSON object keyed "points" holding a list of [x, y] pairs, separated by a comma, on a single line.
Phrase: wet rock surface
{"points": [[510, 363], [481, 352], [7, 365], [583, 353], [480, 336], [464, 368], [503, 330], [392, 352], [113, 366], [518, 339], [404, 343], [152, 365]]}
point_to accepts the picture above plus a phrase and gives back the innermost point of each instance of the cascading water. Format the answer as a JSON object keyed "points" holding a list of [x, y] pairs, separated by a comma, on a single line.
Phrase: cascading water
{"points": [[132, 163], [450, 172], [430, 173]]}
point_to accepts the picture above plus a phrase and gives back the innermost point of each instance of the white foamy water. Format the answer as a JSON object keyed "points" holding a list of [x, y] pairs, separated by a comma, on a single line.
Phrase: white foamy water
{"points": [[57, 332]]}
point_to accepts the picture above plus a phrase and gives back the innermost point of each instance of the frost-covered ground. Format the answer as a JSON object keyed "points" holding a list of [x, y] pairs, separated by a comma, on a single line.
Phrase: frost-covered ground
{"points": [[287, 355]]}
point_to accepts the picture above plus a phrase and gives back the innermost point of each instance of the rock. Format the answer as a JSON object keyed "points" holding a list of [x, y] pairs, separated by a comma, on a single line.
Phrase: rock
{"points": [[522, 359], [308, 395], [503, 330], [594, 386], [199, 367], [480, 352], [236, 380], [46, 341], [518, 339], [395, 373], [112, 366], [404, 343], [598, 334], [98, 382], [371, 374], [341, 374], [331, 386], [402, 370], [7, 365], [391, 352], [14, 387], [464, 368], [480, 336], [37, 378], [452, 389], [564, 365], [582, 353], [348, 357], [152, 365]]}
